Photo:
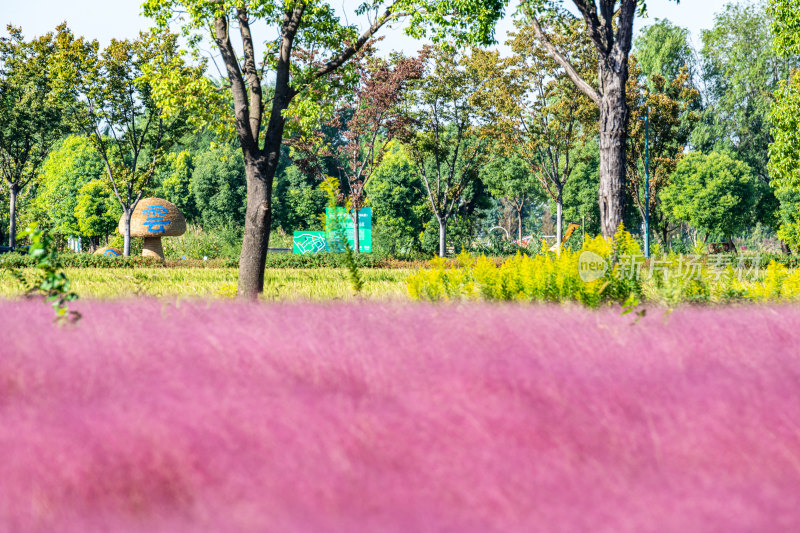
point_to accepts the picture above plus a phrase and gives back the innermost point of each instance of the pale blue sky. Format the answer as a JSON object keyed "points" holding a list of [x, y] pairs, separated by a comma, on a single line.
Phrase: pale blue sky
{"points": [[107, 19]]}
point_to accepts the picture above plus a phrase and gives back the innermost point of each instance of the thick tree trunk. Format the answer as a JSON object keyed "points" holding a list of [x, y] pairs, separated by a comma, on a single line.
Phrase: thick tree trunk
{"points": [[519, 225], [442, 237], [258, 219], [12, 213], [614, 116], [356, 237]]}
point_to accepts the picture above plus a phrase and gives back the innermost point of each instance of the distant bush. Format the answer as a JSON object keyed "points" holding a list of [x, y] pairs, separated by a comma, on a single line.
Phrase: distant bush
{"points": [[198, 243], [70, 260]]}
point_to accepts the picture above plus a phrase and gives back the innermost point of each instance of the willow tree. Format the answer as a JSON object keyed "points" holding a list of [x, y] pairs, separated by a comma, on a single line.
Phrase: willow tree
{"points": [[307, 51], [609, 24]]}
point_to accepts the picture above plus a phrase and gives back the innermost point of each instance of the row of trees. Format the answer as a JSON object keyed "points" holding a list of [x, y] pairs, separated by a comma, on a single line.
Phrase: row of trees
{"points": [[436, 140]]}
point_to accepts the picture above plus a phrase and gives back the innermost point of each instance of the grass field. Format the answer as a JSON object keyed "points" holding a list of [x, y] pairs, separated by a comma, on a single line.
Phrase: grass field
{"points": [[279, 284], [151, 416]]}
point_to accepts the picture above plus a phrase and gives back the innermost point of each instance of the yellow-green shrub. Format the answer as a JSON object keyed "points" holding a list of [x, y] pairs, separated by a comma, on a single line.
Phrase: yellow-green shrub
{"points": [[545, 277]]}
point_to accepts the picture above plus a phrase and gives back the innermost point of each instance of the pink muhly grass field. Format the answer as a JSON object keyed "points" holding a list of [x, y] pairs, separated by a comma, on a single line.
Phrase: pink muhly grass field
{"points": [[227, 417]]}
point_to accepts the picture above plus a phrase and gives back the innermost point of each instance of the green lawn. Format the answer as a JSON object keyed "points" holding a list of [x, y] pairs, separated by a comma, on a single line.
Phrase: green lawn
{"points": [[279, 284]]}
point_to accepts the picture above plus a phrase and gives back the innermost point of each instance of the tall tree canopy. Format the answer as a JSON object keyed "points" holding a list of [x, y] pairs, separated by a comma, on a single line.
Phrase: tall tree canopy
{"points": [[784, 163], [306, 52], [448, 146], [376, 118], [664, 49], [668, 105], [32, 112]]}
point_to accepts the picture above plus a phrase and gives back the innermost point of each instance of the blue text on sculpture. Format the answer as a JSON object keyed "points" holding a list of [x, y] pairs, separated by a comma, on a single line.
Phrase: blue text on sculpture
{"points": [[155, 218]]}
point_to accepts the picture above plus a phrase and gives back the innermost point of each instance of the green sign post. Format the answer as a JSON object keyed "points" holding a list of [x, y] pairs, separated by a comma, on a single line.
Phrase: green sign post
{"points": [[309, 242], [339, 223]]}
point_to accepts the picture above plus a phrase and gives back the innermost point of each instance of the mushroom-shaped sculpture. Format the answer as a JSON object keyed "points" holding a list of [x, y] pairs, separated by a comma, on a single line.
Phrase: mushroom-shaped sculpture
{"points": [[152, 219], [108, 252]]}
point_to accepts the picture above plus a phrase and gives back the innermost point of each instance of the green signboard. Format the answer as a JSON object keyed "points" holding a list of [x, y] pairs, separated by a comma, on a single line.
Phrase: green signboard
{"points": [[339, 223], [308, 242], [338, 220]]}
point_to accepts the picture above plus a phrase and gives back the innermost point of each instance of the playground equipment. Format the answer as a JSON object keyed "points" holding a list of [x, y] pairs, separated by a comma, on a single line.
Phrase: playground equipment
{"points": [[570, 230]]}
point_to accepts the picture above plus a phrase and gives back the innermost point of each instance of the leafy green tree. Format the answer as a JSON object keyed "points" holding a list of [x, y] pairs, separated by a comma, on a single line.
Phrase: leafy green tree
{"points": [[398, 202], [118, 111], [32, 112], [785, 18], [741, 73], [69, 166], [784, 163], [609, 24], [305, 30], [714, 193], [218, 186], [302, 200], [446, 146], [174, 179], [580, 192], [664, 49], [669, 106], [543, 117], [96, 211], [509, 179]]}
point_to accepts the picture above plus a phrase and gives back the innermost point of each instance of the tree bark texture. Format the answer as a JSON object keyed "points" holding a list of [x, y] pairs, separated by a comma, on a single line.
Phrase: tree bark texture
{"points": [[559, 222], [356, 233], [12, 214], [442, 237], [614, 116], [126, 234], [257, 225]]}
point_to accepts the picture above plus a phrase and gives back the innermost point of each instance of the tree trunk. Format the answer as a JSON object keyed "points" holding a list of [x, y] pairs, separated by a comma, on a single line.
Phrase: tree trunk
{"points": [[126, 232], [614, 116], [442, 237], [12, 213], [258, 219], [733, 245], [519, 225], [559, 222], [356, 239]]}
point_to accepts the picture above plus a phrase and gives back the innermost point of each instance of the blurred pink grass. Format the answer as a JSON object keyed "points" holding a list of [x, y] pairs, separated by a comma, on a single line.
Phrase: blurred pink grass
{"points": [[231, 417]]}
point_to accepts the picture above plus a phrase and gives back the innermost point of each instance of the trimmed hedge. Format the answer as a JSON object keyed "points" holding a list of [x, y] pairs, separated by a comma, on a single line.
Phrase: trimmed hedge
{"points": [[322, 260]]}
